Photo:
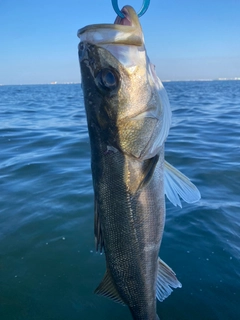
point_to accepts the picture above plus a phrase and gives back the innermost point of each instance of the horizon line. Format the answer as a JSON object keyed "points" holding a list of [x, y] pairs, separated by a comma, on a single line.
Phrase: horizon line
{"points": [[72, 82]]}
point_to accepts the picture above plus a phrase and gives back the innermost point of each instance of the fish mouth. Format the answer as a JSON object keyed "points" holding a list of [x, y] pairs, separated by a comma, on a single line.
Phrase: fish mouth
{"points": [[129, 17], [125, 30]]}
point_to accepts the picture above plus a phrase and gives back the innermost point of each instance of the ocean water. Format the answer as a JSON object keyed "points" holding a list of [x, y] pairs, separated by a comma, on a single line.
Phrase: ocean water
{"points": [[48, 264]]}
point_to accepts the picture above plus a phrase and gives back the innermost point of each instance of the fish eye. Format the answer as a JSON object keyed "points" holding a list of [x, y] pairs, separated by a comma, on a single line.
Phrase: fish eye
{"points": [[108, 79]]}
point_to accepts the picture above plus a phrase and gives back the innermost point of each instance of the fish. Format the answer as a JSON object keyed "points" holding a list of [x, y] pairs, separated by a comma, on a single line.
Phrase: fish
{"points": [[129, 117]]}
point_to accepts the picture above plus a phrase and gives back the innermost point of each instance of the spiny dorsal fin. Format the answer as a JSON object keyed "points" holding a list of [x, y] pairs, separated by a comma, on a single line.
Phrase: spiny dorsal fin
{"points": [[108, 289], [177, 184], [166, 280], [97, 228]]}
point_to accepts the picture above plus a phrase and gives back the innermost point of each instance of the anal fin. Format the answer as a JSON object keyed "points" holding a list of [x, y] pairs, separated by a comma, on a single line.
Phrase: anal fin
{"points": [[166, 280], [108, 289]]}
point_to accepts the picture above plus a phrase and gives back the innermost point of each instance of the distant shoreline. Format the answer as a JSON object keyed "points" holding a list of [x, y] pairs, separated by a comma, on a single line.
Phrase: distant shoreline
{"points": [[68, 83]]}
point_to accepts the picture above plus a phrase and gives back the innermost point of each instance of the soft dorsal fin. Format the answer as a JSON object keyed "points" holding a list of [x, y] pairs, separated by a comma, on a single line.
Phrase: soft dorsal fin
{"points": [[108, 289], [177, 184], [166, 280]]}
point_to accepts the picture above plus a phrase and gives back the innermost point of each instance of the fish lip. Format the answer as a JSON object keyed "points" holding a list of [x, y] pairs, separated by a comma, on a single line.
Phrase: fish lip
{"points": [[129, 16], [96, 27], [124, 26]]}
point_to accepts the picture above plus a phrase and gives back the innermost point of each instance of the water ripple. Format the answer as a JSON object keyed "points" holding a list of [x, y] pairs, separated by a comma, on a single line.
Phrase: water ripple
{"points": [[48, 266]]}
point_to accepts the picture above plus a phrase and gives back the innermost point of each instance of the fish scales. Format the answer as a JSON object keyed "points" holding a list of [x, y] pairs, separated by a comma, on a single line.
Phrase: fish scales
{"points": [[130, 231]]}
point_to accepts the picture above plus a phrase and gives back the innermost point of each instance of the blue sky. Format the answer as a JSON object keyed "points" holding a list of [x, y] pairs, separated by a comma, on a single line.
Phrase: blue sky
{"points": [[185, 39]]}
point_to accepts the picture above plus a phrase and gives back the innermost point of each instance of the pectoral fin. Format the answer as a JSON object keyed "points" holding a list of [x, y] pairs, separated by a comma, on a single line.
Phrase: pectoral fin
{"points": [[177, 184], [108, 289], [166, 280], [148, 171]]}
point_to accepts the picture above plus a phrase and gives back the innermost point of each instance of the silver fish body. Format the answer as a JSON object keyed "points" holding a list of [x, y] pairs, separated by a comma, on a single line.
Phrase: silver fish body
{"points": [[128, 117]]}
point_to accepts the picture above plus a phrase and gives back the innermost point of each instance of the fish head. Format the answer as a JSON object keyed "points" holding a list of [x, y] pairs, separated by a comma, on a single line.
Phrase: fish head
{"points": [[121, 89]]}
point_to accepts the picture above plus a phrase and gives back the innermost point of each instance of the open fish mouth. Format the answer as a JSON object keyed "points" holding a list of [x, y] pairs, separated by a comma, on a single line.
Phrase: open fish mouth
{"points": [[126, 21], [125, 30]]}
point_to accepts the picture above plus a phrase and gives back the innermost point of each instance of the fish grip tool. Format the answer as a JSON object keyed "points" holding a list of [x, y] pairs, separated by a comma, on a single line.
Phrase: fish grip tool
{"points": [[144, 8]]}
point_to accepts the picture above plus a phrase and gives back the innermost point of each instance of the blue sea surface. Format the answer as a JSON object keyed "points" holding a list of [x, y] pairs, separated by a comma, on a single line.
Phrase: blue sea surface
{"points": [[48, 264]]}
